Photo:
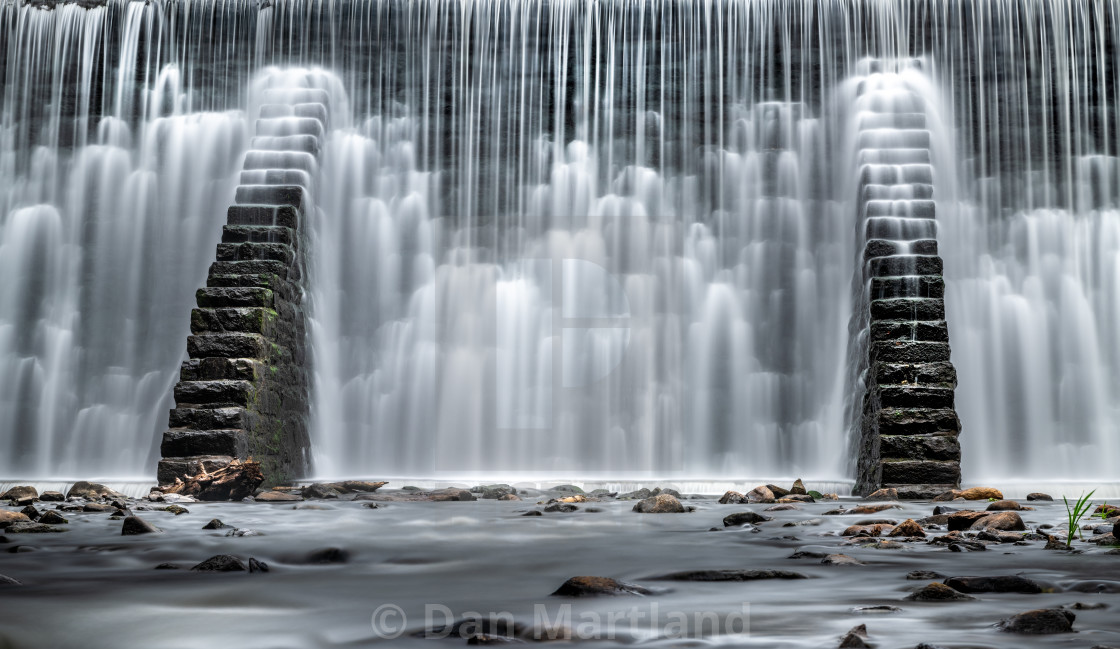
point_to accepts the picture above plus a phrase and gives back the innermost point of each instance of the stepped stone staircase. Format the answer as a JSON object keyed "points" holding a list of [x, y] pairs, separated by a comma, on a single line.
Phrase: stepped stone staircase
{"points": [[908, 425], [243, 392]]}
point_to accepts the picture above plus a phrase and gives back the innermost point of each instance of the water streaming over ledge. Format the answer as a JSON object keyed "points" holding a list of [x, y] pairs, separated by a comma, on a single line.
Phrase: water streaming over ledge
{"points": [[560, 236]]}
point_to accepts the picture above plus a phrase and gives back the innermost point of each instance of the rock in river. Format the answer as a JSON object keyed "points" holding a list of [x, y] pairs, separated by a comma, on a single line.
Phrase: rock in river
{"points": [[660, 504], [998, 584], [134, 525], [1043, 621], [220, 563], [936, 592], [742, 518], [276, 497], [597, 586]]}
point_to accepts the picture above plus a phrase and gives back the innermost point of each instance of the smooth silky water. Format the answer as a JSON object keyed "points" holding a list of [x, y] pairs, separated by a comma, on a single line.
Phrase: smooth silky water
{"points": [[608, 241]]}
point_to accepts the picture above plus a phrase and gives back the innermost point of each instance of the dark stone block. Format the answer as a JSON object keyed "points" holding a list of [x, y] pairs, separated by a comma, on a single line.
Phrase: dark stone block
{"points": [[908, 308], [222, 296], [187, 443], [923, 247], [914, 396], [226, 268], [216, 369], [280, 160], [917, 421], [215, 394], [293, 195], [285, 216], [258, 234], [228, 345], [276, 177], [941, 374], [884, 248], [921, 491], [209, 418], [256, 252], [169, 469], [920, 447], [921, 472], [899, 228], [903, 330], [905, 265], [234, 319], [903, 351], [907, 287]]}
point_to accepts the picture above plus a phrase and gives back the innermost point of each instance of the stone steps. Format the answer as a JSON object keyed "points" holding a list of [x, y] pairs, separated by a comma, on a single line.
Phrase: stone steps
{"points": [[243, 390], [908, 428]]}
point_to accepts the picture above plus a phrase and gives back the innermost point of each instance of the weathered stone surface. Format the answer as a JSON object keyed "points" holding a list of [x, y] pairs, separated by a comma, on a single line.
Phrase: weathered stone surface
{"points": [[9, 517], [283, 216], [92, 491], [134, 525], [216, 394], [883, 494], [1039, 496], [220, 563], [732, 498], [743, 518], [760, 494], [930, 286], [856, 638], [52, 518], [250, 251], [170, 469], [209, 418], [52, 497], [1043, 621], [1004, 506], [20, 493], [908, 528], [187, 443], [259, 234], [598, 586], [907, 308], [943, 447], [973, 493], [936, 592], [921, 330], [252, 320], [660, 504], [997, 584], [271, 275], [917, 421], [293, 195], [228, 345], [920, 472], [33, 528], [905, 265], [219, 369], [276, 497], [227, 296], [903, 351]]}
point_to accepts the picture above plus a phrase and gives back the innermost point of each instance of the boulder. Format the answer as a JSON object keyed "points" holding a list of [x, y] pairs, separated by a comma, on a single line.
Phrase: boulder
{"points": [[781, 507], [98, 508], [214, 524], [1005, 521], [935, 592], [855, 639], [732, 498], [1043, 621], [964, 520], [1039, 496], [92, 491], [494, 491], [277, 497], [319, 490], [52, 497], [20, 493], [598, 586], [866, 530], [841, 560], [760, 494], [30, 512], [52, 518], [569, 488], [220, 563], [908, 527], [779, 492], [798, 488], [174, 509], [1004, 506], [797, 498], [873, 509], [998, 584], [743, 518], [638, 494], [257, 566], [134, 525], [451, 495], [660, 504], [972, 493], [33, 528], [564, 508], [888, 493], [923, 575], [357, 486]]}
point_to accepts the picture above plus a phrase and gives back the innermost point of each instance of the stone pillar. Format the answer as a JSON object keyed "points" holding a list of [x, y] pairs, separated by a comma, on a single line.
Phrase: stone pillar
{"points": [[243, 392], [908, 424]]}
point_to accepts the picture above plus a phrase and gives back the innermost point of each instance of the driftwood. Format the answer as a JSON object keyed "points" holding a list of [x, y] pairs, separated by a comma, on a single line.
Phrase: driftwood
{"points": [[234, 481]]}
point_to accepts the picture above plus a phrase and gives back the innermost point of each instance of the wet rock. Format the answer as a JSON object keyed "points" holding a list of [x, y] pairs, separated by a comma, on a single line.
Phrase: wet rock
{"points": [[867, 530], [243, 531], [53, 518], [602, 493], [494, 491], [92, 491], [732, 498], [509, 497], [257, 566], [998, 536], [1108, 510], [964, 520], [638, 494], [1043, 621], [841, 560], [533, 512], [779, 492], [214, 524], [578, 498], [888, 493], [935, 592], [220, 563], [660, 504], [1095, 586], [908, 527], [974, 493], [783, 507], [320, 491], [743, 518], [33, 528], [51, 497], [1103, 539], [797, 498], [357, 486], [873, 509], [20, 493], [839, 511], [998, 584], [175, 509], [760, 494], [1004, 506], [276, 497], [98, 508], [798, 488], [598, 586], [452, 495], [855, 639], [371, 506], [874, 610], [1005, 521], [1116, 529], [923, 575], [563, 508], [1039, 496], [328, 555], [30, 512], [570, 488], [729, 575], [876, 521], [134, 525], [169, 566], [807, 554], [8, 581]]}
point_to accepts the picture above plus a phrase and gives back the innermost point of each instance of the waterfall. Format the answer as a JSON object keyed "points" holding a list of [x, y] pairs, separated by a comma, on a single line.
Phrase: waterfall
{"points": [[612, 238]]}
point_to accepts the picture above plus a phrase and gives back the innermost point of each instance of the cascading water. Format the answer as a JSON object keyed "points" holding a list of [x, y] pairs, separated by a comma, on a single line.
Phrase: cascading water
{"points": [[570, 237]]}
